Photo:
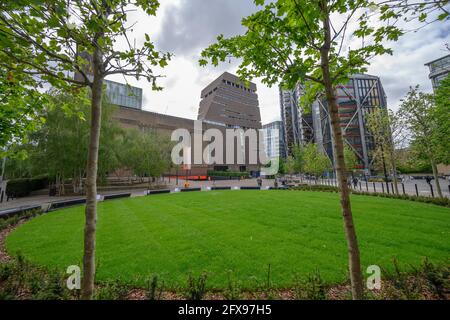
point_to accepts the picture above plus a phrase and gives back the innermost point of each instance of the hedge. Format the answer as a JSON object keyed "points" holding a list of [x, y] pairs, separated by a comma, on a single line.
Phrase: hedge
{"points": [[227, 173], [24, 186], [444, 202]]}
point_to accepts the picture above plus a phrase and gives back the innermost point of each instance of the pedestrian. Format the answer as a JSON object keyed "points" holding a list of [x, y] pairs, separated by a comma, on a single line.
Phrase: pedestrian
{"points": [[428, 180], [259, 180], [275, 183], [355, 182]]}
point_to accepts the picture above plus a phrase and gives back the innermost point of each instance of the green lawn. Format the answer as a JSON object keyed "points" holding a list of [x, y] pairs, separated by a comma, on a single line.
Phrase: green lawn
{"points": [[243, 231]]}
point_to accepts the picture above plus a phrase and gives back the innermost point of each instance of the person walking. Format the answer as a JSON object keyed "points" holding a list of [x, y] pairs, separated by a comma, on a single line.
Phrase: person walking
{"points": [[355, 182], [259, 181]]}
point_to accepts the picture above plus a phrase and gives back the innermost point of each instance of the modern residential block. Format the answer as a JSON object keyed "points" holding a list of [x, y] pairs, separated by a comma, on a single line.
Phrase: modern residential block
{"points": [[355, 100], [439, 69], [274, 139], [297, 126]]}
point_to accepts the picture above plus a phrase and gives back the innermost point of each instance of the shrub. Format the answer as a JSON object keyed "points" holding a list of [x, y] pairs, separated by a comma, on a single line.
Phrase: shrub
{"points": [[233, 290], [155, 290], [317, 187], [10, 221], [21, 280], [437, 278], [196, 287], [18, 187], [24, 186], [231, 174], [311, 288], [113, 290], [444, 202]]}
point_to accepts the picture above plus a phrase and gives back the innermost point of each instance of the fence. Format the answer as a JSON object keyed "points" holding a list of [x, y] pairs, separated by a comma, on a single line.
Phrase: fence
{"points": [[410, 188]]}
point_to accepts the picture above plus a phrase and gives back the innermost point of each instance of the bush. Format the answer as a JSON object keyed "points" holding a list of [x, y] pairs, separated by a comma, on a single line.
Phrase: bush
{"points": [[196, 287], [316, 188], [21, 280], [23, 187], [233, 290], [10, 221], [311, 288], [18, 188], [112, 290], [232, 174], [444, 202], [155, 290]]}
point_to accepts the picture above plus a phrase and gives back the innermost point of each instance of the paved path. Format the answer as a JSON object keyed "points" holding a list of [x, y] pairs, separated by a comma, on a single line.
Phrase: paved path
{"points": [[422, 187]]}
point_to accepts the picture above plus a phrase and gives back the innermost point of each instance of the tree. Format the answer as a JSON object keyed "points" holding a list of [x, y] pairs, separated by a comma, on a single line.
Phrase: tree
{"points": [[289, 41], [147, 153], [387, 131], [409, 162], [20, 104], [289, 165], [58, 148], [441, 113], [418, 111], [298, 157], [418, 10], [315, 161], [54, 39]]}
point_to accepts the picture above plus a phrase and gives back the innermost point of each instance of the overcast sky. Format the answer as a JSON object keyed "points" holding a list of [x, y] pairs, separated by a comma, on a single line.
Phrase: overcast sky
{"points": [[185, 27]]}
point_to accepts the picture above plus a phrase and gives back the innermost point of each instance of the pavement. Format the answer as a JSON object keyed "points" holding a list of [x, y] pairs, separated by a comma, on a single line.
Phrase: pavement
{"points": [[423, 189]]}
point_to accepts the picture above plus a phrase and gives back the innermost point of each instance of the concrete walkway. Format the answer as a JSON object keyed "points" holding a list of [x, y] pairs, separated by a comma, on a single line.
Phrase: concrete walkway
{"points": [[423, 189]]}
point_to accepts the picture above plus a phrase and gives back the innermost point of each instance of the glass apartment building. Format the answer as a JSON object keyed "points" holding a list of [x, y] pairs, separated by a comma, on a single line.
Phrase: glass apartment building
{"points": [[439, 69], [355, 100], [123, 95], [273, 139]]}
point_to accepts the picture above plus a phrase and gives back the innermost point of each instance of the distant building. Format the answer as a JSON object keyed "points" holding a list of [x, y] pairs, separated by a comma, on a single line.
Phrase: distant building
{"points": [[355, 100], [123, 95], [226, 103], [274, 139], [118, 94], [439, 69], [290, 119], [229, 102], [297, 124]]}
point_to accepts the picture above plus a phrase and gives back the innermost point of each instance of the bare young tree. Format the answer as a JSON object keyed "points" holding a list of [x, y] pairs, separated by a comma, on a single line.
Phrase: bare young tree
{"points": [[388, 132]]}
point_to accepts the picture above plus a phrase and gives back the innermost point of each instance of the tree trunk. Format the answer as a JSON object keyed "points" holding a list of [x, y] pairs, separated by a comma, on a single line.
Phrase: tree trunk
{"points": [[386, 178], [394, 170], [91, 180], [436, 178], [350, 232]]}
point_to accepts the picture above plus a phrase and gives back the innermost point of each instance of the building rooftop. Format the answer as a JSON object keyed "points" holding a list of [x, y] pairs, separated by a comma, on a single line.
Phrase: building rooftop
{"points": [[438, 59]]}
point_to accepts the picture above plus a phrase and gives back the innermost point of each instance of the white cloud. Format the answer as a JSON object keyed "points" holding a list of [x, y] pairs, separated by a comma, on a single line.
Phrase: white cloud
{"points": [[184, 27]]}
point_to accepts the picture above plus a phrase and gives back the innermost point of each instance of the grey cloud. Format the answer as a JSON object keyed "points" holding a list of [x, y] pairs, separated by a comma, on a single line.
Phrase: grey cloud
{"points": [[195, 24], [406, 67]]}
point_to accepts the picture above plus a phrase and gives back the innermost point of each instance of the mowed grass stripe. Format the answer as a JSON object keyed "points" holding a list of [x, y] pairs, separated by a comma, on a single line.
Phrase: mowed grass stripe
{"points": [[242, 231]]}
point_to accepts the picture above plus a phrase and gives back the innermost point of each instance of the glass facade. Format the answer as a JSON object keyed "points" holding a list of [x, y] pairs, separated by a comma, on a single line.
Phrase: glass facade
{"points": [[124, 95], [273, 139], [439, 69], [355, 100]]}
